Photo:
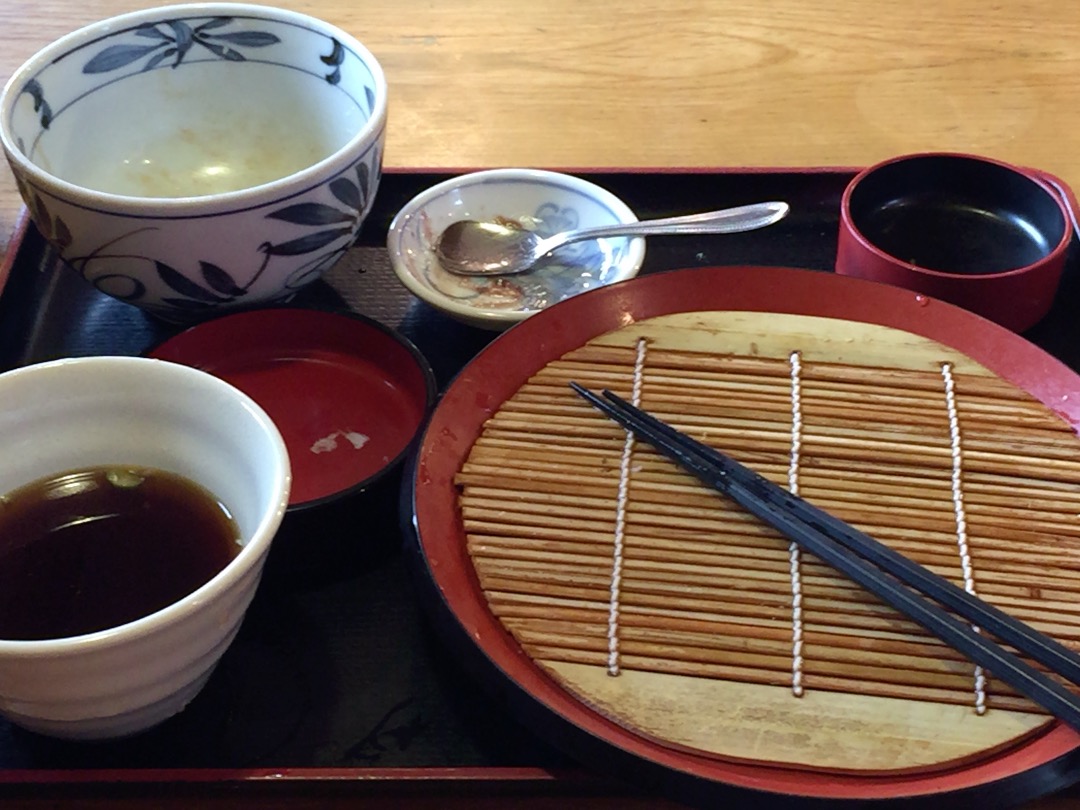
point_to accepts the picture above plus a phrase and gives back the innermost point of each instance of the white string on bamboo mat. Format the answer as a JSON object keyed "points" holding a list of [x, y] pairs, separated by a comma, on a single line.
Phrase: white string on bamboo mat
{"points": [[620, 520], [794, 554], [961, 514]]}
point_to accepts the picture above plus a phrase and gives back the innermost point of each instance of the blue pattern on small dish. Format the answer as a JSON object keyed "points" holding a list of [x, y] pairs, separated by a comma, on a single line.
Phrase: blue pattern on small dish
{"points": [[546, 202]]}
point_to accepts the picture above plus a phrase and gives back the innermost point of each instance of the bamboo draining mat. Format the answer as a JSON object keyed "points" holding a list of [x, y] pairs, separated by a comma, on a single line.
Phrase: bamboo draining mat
{"points": [[697, 644]]}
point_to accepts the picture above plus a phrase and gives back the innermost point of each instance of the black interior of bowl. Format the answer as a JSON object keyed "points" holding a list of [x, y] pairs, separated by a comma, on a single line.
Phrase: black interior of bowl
{"points": [[957, 215]]}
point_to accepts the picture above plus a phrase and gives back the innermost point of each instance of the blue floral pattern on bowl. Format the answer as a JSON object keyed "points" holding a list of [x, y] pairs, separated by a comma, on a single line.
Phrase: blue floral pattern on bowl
{"points": [[250, 244], [326, 233], [174, 39]]}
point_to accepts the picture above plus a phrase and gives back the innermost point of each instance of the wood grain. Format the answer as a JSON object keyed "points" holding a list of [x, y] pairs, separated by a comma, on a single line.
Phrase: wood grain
{"points": [[687, 83]]}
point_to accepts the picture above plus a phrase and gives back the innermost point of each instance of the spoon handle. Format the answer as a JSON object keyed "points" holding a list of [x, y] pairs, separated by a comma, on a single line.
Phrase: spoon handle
{"points": [[727, 220]]}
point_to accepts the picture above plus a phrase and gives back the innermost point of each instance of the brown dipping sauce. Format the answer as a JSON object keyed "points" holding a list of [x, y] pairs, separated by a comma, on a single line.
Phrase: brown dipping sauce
{"points": [[94, 548]]}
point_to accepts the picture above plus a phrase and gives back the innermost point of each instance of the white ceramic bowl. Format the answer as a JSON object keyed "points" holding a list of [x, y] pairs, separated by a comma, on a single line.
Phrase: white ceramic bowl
{"points": [[85, 412], [194, 158], [543, 201]]}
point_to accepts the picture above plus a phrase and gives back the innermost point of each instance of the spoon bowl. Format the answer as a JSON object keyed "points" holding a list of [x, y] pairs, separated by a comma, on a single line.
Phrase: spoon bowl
{"points": [[505, 247]]}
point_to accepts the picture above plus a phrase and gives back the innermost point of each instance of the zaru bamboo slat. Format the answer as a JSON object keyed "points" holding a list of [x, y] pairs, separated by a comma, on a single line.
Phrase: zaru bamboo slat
{"points": [[756, 675], [761, 435], [1055, 483], [1001, 496], [823, 412], [734, 390], [735, 534], [821, 404], [670, 509], [916, 652], [904, 670], [904, 513], [851, 446], [1023, 580], [705, 590], [703, 552], [992, 409], [844, 442], [824, 682], [776, 658], [659, 501], [858, 619], [771, 397], [774, 398], [1030, 493], [591, 356], [501, 454], [853, 610], [836, 609], [859, 635], [1014, 523], [751, 582], [923, 540]]}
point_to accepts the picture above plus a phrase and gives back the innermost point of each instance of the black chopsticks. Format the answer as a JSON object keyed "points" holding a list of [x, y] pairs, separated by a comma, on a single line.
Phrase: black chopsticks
{"points": [[897, 580]]}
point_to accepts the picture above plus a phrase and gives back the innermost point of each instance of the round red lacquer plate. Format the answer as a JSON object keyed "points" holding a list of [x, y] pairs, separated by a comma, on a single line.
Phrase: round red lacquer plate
{"points": [[1032, 767], [348, 394]]}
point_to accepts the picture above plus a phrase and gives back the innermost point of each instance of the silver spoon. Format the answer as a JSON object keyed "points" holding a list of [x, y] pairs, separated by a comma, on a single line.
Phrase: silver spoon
{"points": [[471, 248]]}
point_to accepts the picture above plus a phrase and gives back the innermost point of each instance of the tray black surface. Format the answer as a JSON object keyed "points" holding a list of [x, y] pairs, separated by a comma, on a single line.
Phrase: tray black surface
{"points": [[336, 667]]}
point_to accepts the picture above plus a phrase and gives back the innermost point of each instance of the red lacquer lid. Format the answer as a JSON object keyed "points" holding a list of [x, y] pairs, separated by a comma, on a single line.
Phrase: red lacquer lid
{"points": [[347, 394]]}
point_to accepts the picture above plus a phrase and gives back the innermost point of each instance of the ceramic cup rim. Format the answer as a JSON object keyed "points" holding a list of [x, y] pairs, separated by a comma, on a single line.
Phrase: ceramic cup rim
{"points": [[848, 222], [256, 547], [239, 199]]}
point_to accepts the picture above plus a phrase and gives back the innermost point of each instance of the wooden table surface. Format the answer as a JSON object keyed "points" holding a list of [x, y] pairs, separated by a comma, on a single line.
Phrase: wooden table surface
{"points": [[688, 83], [680, 83]]}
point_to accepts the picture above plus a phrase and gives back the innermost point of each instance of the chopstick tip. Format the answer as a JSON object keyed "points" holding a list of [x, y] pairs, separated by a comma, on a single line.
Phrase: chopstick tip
{"points": [[592, 398], [584, 392]]}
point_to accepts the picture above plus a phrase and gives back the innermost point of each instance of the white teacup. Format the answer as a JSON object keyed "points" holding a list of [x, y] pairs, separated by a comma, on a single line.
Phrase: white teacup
{"points": [[94, 411]]}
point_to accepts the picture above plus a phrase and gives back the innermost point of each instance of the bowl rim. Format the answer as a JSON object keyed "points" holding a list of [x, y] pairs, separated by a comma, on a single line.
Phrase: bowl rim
{"points": [[847, 219], [493, 317], [238, 199], [239, 567]]}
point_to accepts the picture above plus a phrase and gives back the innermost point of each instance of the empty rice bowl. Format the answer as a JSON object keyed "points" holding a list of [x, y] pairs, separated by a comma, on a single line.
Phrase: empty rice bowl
{"points": [[197, 158], [544, 201]]}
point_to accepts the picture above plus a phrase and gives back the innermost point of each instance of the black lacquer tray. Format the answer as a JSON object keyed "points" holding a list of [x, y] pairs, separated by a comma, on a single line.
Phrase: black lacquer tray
{"points": [[337, 688]]}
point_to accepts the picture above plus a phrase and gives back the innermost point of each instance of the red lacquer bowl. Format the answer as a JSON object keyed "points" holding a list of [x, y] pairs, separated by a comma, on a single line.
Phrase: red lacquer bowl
{"points": [[976, 232]]}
